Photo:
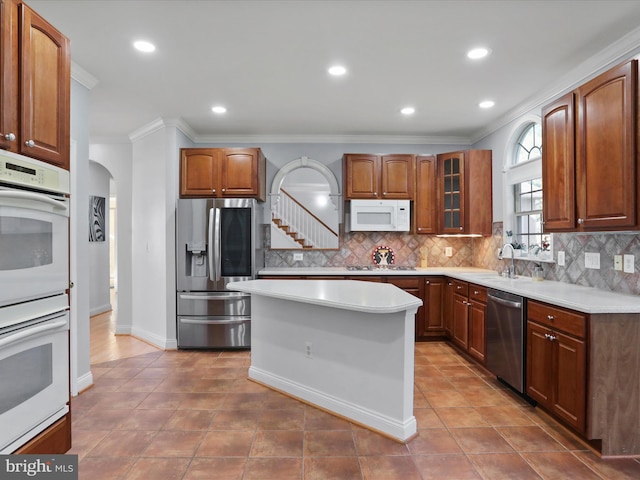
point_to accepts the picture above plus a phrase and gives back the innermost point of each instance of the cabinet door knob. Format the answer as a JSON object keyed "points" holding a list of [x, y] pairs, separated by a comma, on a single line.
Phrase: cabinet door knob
{"points": [[460, 228], [384, 194], [580, 221], [214, 190], [427, 282], [375, 194], [476, 292], [30, 143], [223, 190], [9, 136]]}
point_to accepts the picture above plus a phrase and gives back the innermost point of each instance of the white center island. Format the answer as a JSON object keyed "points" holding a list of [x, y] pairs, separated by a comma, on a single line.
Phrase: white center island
{"points": [[344, 346]]}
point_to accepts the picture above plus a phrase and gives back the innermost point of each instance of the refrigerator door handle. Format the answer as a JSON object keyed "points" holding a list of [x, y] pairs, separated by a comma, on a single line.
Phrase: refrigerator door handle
{"points": [[209, 321], [214, 244], [215, 296], [217, 248]]}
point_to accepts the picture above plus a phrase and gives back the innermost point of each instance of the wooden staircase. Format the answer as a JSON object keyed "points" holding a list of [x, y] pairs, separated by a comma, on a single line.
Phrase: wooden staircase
{"points": [[294, 235]]}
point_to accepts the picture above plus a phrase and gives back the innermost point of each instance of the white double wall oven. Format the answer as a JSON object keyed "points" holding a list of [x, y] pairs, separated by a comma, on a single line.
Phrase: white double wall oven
{"points": [[34, 306]]}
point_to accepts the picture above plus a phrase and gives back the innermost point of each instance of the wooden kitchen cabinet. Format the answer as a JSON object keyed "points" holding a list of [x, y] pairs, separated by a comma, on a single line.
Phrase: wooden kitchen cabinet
{"points": [[434, 288], [54, 440], [222, 173], [460, 315], [466, 317], [556, 362], [425, 210], [465, 192], [447, 307], [581, 191], [35, 86], [416, 287], [386, 177], [477, 322]]}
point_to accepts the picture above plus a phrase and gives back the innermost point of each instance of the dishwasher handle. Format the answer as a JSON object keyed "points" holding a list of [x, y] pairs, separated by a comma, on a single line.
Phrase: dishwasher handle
{"points": [[506, 303]]}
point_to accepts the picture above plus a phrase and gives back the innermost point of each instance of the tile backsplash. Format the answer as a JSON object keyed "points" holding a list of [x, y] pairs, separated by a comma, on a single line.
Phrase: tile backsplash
{"points": [[426, 250]]}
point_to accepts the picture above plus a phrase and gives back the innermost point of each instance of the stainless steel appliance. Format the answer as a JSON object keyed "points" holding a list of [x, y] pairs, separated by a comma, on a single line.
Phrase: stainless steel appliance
{"points": [[380, 215], [217, 241], [34, 316], [506, 337]]}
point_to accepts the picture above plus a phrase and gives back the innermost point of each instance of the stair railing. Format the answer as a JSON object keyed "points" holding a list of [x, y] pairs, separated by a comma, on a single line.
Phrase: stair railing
{"points": [[298, 218]]}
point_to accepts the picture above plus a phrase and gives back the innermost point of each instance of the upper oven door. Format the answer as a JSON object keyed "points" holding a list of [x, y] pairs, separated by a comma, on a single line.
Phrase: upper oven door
{"points": [[34, 235]]}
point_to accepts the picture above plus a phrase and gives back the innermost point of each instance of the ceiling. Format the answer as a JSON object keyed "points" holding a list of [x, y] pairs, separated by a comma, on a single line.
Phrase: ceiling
{"points": [[267, 61]]}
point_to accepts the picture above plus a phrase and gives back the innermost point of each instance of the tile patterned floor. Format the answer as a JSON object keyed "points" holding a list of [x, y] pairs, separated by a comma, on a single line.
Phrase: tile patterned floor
{"points": [[194, 415]]}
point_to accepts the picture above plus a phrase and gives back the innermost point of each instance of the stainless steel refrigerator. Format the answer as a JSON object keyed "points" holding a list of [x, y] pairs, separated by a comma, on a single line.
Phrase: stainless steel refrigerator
{"points": [[217, 241]]}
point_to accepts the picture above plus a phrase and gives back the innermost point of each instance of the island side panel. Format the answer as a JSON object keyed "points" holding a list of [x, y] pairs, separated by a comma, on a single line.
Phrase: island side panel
{"points": [[614, 383], [361, 364]]}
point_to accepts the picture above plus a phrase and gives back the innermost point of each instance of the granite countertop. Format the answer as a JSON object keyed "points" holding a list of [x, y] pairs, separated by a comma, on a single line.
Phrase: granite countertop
{"points": [[346, 295], [582, 299]]}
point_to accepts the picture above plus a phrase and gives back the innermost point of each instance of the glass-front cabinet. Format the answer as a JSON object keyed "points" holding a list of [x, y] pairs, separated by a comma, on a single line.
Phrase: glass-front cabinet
{"points": [[464, 182], [453, 194]]}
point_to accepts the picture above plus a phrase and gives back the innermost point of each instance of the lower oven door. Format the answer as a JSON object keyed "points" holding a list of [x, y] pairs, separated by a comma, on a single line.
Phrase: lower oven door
{"points": [[34, 239], [34, 379]]}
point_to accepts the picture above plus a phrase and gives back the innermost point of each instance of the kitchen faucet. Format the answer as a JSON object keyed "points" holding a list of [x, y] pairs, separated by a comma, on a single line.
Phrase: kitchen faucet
{"points": [[511, 271]]}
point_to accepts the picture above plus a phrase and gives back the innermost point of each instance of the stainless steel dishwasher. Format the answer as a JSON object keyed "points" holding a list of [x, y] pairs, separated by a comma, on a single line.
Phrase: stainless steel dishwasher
{"points": [[506, 337]]}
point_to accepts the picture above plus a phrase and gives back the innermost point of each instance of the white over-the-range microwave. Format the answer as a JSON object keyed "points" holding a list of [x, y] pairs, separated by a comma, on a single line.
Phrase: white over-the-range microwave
{"points": [[380, 215]]}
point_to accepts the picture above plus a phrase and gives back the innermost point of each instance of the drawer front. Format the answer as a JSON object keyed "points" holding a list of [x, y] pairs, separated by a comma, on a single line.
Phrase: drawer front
{"points": [[461, 288], [404, 282], [568, 321], [476, 292]]}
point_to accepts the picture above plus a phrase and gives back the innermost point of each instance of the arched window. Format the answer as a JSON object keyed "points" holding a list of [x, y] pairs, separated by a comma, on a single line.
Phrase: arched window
{"points": [[523, 194]]}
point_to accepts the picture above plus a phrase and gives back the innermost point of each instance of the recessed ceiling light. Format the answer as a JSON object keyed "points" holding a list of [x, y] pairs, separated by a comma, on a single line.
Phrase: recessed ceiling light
{"points": [[218, 109], [478, 53], [144, 46], [408, 111], [337, 70], [487, 104]]}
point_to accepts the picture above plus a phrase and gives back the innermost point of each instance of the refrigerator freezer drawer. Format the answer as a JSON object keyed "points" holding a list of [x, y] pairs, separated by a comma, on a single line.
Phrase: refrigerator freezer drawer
{"points": [[214, 332], [213, 303]]}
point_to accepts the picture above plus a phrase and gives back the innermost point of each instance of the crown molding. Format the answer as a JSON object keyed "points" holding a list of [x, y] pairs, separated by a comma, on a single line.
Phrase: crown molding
{"points": [[349, 139], [621, 50], [83, 77]]}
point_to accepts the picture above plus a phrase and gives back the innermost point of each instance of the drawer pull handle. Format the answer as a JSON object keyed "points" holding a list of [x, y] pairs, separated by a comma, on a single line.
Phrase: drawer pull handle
{"points": [[549, 337], [476, 292], [550, 318]]}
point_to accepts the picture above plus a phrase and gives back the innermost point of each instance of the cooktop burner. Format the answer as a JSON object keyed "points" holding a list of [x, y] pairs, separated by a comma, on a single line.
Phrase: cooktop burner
{"points": [[380, 267]]}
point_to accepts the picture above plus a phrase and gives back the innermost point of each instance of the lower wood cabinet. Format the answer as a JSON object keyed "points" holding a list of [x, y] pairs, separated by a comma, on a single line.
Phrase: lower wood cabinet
{"points": [[54, 440], [414, 286], [556, 362], [460, 314], [434, 288], [477, 322]]}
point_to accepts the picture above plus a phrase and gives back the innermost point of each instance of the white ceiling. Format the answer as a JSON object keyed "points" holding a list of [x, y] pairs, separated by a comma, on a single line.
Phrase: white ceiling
{"points": [[266, 61]]}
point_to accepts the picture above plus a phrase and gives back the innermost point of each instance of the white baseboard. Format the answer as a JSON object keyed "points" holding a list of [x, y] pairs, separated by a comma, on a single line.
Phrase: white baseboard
{"points": [[398, 430], [156, 340], [123, 329], [100, 309], [84, 382]]}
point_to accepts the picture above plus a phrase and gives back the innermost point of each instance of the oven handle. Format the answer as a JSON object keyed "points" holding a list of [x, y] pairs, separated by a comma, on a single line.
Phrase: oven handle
{"points": [[37, 197], [30, 332]]}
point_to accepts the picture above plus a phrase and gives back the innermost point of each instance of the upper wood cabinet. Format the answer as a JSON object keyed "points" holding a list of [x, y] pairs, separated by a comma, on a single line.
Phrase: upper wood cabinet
{"points": [[387, 177], [425, 209], [591, 177], [223, 172], [465, 192], [35, 86]]}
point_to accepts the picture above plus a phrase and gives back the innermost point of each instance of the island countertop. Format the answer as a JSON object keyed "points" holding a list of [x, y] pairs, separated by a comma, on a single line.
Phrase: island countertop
{"points": [[576, 297], [346, 294]]}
